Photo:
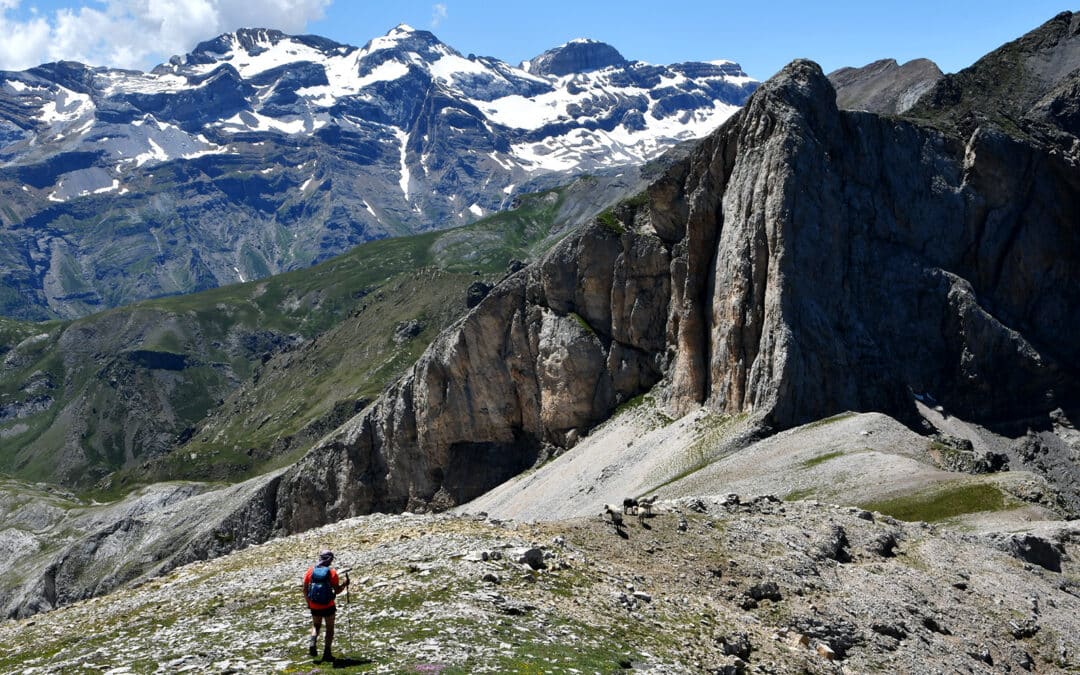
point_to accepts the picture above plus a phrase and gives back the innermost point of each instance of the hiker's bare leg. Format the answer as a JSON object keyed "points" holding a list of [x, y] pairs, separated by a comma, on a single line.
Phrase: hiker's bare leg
{"points": [[329, 634], [316, 623]]}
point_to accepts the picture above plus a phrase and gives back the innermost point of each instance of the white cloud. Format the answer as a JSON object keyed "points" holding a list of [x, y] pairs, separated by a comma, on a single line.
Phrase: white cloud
{"points": [[438, 13], [136, 33]]}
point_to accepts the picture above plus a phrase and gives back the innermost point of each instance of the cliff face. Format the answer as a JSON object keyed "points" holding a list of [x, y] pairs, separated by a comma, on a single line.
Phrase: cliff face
{"points": [[802, 262], [845, 261], [547, 354]]}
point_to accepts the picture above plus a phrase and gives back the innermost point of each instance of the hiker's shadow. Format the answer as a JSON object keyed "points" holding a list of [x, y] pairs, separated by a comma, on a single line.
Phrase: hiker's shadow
{"points": [[349, 662]]}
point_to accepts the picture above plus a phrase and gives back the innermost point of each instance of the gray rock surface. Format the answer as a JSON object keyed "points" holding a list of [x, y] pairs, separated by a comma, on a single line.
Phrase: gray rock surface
{"points": [[884, 86]]}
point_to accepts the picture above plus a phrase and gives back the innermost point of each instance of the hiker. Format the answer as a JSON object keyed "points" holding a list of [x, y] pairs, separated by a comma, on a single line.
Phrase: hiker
{"points": [[321, 584]]}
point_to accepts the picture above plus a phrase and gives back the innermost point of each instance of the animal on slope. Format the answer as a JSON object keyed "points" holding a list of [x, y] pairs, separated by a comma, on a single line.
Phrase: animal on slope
{"points": [[613, 514]]}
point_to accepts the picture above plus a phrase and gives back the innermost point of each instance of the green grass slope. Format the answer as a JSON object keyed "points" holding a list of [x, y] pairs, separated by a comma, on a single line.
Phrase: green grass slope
{"points": [[82, 399]]}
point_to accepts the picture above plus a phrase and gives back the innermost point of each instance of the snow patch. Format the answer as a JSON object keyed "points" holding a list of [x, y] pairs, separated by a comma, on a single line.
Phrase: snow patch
{"points": [[403, 138], [253, 121], [239, 274], [154, 153], [67, 107], [108, 188], [476, 210]]}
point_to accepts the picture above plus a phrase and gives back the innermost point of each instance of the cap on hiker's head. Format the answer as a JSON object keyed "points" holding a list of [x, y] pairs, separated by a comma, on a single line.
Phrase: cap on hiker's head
{"points": [[326, 557]]}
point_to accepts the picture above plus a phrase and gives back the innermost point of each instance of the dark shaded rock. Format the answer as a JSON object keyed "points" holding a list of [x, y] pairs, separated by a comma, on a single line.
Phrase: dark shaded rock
{"points": [[895, 630], [840, 634], [883, 545], [932, 624], [832, 545], [737, 644], [407, 330], [766, 590], [1030, 548], [476, 292]]}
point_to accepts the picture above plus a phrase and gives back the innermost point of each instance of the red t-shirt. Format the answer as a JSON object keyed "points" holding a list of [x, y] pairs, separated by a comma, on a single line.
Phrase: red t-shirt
{"points": [[333, 582]]}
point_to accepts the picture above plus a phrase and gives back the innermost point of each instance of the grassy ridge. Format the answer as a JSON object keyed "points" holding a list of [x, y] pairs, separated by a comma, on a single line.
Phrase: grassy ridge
{"points": [[135, 383]]}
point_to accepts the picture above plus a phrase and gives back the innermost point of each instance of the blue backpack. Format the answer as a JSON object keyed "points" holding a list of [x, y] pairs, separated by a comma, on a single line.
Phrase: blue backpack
{"points": [[319, 590]]}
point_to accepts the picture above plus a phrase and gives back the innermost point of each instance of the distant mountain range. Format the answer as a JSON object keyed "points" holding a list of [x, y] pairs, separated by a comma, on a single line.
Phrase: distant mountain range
{"points": [[260, 152]]}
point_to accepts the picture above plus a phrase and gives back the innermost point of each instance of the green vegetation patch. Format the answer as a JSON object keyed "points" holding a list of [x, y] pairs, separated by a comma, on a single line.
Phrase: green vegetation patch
{"points": [[796, 495], [609, 220], [829, 420], [954, 500], [821, 459]]}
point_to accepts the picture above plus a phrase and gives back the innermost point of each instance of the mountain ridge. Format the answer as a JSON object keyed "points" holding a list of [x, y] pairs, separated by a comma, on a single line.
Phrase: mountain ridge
{"points": [[261, 152]]}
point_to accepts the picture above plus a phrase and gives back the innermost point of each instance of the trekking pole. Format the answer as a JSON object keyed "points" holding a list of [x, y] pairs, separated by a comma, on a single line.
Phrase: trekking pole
{"points": [[348, 601]]}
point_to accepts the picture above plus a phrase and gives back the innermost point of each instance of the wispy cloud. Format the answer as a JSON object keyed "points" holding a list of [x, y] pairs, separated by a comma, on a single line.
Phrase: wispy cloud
{"points": [[128, 33], [438, 13]]}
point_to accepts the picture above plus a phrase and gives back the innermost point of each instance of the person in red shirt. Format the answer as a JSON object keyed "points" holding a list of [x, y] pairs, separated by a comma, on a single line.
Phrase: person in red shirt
{"points": [[321, 584]]}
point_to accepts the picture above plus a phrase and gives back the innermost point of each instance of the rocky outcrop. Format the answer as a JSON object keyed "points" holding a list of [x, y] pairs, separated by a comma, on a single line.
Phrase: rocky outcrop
{"points": [[1027, 86], [545, 356], [884, 86], [843, 261]]}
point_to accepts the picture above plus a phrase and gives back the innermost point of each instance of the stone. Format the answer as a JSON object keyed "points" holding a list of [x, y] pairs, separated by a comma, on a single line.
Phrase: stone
{"points": [[476, 292], [766, 590], [798, 640], [1030, 548], [533, 557], [883, 544], [737, 644]]}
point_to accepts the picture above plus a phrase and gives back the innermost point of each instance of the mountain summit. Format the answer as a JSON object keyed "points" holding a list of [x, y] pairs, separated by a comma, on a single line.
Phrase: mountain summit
{"points": [[577, 56]]}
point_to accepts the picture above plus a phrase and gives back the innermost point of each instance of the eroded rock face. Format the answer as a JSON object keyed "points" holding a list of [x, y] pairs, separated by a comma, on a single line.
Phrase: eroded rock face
{"points": [[545, 356], [859, 259], [884, 86]]}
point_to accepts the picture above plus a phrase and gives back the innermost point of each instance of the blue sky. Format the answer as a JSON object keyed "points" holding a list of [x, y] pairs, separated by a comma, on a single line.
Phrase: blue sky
{"points": [[761, 36]]}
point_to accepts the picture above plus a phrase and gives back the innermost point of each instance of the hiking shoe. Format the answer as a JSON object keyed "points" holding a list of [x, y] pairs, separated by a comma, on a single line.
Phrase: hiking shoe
{"points": [[327, 656], [311, 647]]}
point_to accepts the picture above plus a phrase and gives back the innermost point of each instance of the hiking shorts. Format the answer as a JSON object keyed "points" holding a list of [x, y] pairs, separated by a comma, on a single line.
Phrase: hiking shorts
{"points": [[326, 611]]}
